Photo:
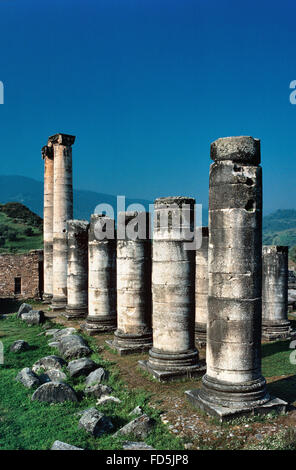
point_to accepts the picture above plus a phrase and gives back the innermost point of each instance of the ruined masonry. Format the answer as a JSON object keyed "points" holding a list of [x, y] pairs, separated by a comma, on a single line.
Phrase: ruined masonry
{"points": [[201, 290], [134, 329], [102, 276], [173, 354], [233, 383], [63, 211], [77, 280], [275, 323]]}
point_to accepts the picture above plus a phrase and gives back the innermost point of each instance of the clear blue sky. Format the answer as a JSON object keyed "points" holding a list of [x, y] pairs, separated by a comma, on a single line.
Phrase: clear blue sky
{"points": [[146, 85]]}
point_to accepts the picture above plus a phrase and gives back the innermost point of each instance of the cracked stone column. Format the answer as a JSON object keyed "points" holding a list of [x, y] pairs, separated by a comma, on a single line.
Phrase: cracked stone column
{"points": [[173, 354], [134, 298], [233, 383], [275, 323], [47, 155], [102, 277], [63, 211], [201, 290], [77, 281]]}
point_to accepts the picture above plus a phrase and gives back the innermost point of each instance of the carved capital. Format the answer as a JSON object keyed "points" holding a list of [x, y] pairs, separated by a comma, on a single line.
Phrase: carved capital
{"points": [[62, 139]]}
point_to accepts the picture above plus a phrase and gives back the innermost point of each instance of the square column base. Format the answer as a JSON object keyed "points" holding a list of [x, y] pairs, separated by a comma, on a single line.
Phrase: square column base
{"points": [[92, 331], [122, 351], [170, 375], [227, 414]]}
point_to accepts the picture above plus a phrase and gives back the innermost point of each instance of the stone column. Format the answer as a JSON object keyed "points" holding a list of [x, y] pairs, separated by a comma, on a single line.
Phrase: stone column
{"points": [[275, 323], [77, 281], [233, 383], [102, 279], [63, 211], [201, 290], [173, 354], [47, 155], [134, 298]]}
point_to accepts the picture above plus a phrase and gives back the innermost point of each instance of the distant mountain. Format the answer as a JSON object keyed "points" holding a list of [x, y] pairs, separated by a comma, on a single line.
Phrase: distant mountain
{"points": [[30, 193], [279, 228]]}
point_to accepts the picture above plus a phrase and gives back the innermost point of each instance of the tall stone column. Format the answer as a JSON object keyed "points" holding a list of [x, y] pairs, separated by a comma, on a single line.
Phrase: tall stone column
{"points": [[233, 383], [47, 155], [63, 211], [77, 281], [134, 298], [173, 354], [201, 290], [275, 323], [102, 279]]}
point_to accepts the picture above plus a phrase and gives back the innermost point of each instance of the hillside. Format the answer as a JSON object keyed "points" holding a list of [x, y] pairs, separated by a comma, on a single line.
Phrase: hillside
{"points": [[20, 229]]}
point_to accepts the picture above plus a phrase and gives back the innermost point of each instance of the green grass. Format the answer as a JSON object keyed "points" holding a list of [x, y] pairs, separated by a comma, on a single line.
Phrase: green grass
{"points": [[25, 424]]}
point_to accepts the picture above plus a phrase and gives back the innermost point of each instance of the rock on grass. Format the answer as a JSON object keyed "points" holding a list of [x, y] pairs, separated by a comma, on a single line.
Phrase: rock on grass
{"points": [[94, 422], [128, 445], [24, 308], [97, 390], [73, 347], [19, 346], [96, 376], [52, 392], [81, 366], [34, 317], [59, 445], [139, 427], [48, 362], [28, 378]]}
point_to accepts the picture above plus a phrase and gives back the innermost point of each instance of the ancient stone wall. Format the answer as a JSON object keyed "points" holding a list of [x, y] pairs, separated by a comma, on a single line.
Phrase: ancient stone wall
{"points": [[21, 275]]}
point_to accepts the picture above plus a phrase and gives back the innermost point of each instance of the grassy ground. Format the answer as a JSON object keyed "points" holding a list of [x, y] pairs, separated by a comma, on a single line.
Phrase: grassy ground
{"points": [[31, 425]]}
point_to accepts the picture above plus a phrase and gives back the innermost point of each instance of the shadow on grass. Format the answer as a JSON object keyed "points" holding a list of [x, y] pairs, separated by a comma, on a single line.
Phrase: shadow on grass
{"points": [[10, 305], [284, 388], [269, 349]]}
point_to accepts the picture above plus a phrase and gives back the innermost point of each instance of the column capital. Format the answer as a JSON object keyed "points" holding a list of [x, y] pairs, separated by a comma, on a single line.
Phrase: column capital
{"points": [[47, 152], [62, 139]]}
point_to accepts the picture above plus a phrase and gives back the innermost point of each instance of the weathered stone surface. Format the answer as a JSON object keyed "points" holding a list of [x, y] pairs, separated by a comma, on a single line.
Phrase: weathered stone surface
{"points": [[59, 334], [58, 445], [53, 375], [138, 411], [54, 344], [128, 445], [28, 378], [97, 390], [24, 308], [81, 366], [95, 423], [202, 289], [33, 317], [48, 362], [47, 155], [77, 275], [105, 399], [73, 346], [52, 392], [51, 331], [19, 346], [102, 277], [96, 376], [139, 427]]}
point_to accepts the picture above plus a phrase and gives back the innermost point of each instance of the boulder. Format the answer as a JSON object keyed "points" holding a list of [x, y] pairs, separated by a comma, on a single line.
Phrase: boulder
{"points": [[81, 366], [96, 376], [139, 427], [73, 347], [52, 392], [58, 445], [24, 308], [59, 334], [49, 362], [19, 346], [128, 445], [51, 332], [138, 411], [53, 375], [95, 423], [107, 399], [97, 390], [28, 378], [34, 317]]}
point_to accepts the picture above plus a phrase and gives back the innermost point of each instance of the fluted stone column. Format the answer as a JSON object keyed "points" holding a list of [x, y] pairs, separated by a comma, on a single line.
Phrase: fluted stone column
{"points": [[275, 323], [201, 290], [47, 155], [173, 354], [233, 383], [102, 279], [134, 298], [63, 211], [77, 281]]}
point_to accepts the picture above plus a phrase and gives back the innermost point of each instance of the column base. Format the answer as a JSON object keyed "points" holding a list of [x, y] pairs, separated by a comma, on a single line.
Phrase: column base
{"points": [[96, 324], [73, 312], [201, 335], [59, 303], [226, 414], [125, 344], [47, 299], [273, 331], [172, 366]]}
